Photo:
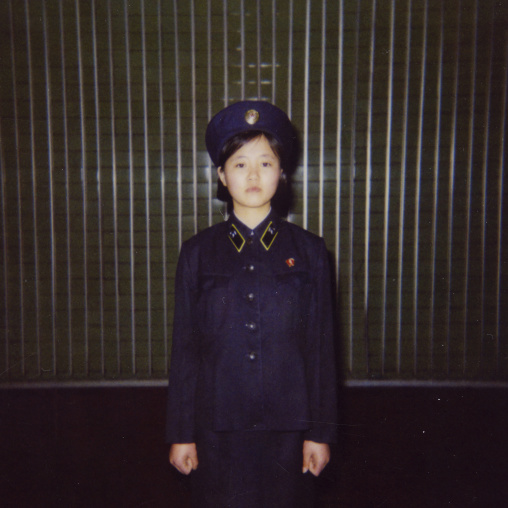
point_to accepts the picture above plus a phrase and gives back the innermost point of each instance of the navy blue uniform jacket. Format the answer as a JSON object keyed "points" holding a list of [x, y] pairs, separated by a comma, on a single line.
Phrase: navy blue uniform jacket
{"points": [[253, 335]]}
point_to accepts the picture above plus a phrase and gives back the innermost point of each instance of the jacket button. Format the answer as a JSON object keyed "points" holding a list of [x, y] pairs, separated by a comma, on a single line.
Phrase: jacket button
{"points": [[250, 268], [251, 326], [250, 297], [252, 356]]}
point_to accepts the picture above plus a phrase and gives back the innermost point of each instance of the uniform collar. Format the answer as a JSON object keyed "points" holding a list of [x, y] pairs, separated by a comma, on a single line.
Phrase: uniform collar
{"points": [[265, 232]]}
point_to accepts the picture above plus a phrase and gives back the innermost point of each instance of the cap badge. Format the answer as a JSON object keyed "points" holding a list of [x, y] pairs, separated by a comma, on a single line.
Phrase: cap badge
{"points": [[252, 116]]}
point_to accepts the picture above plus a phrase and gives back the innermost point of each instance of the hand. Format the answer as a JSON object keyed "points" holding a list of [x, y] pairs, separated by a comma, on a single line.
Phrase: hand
{"points": [[184, 457], [315, 457]]}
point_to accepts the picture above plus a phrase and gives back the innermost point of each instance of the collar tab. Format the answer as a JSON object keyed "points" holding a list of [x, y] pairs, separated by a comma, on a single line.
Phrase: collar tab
{"points": [[269, 235], [236, 237]]}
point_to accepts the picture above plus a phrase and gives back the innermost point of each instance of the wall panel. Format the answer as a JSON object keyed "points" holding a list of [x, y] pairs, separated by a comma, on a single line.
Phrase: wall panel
{"points": [[401, 109]]}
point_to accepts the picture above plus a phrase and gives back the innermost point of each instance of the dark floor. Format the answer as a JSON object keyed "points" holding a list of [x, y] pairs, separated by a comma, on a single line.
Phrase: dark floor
{"points": [[103, 447]]}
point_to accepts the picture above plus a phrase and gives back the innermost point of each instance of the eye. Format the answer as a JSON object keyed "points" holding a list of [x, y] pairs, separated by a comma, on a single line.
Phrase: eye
{"points": [[240, 165], [266, 164]]}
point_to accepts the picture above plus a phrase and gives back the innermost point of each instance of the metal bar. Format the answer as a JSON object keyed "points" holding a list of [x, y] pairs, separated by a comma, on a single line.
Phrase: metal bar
{"points": [[226, 51], [49, 123], [469, 178], [242, 49], [258, 48], [114, 181], [419, 154], [3, 237], [34, 191], [386, 213], [350, 383], [209, 104], [368, 187], [500, 203], [67, 190], [352, 177], [290, 60], [451, 188], [99, 185], [226, 72], [147, 194], [322, 118], [485, 165], [131, 188], [306, 79], [338, 156], [178, 124], [163, 190], [84, 184], [84, 187], [274, 50], [402, 192], [435, 186], [21, 255], [430, 384], [193, 105]]}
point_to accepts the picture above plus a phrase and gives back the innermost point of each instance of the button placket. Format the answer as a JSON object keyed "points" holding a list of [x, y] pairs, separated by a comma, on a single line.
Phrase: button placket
{"points": [[249, 295]]}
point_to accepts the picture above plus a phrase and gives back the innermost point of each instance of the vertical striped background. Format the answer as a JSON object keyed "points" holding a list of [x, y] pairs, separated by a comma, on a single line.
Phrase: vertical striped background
{"points": [[401, 107]]}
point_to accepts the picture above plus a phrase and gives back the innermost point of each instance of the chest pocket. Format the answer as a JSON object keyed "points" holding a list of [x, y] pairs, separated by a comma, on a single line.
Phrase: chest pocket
{"points": [[293, 286], [292, 279], [293, 291], [208, 282], [213, 301]]}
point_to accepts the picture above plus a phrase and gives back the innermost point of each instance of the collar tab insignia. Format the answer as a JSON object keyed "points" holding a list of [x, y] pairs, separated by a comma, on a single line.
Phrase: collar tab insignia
{"points": [[290, 262], [236, 238], [269, 236]]}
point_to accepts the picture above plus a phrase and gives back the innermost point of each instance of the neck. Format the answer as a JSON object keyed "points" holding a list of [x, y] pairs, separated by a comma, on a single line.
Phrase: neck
{"points": [[252, 217]]}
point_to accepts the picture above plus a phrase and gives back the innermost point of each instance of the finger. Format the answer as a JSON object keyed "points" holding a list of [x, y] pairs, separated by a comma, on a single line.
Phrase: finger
{"points": [[314, 465], [317, 467], [314, 469], [189, 466], [192, 463], [305, 463], [182, 466], [186, 467]]}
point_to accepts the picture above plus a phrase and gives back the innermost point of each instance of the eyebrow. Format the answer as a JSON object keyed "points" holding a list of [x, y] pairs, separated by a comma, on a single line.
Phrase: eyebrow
{"points": [[269, 155]]}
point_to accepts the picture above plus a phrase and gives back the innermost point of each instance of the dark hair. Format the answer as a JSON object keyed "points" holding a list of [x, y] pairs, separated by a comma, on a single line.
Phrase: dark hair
{"points": [[242, 138], [282, 200]]}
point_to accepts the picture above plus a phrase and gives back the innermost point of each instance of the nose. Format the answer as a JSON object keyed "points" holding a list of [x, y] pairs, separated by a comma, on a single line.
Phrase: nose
{"points": [[253, 172]]}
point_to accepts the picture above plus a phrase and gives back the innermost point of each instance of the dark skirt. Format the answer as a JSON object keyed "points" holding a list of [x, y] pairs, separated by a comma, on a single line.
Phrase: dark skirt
{"points": [[251, 469]]}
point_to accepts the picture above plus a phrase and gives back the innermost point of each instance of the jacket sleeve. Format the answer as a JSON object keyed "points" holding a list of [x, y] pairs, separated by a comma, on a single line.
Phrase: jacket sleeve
{"points": [[185, 357], [321, 373]]}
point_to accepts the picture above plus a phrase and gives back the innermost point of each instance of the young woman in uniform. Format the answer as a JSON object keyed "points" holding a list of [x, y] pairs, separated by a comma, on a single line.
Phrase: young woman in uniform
{"points": [[251, 401]]}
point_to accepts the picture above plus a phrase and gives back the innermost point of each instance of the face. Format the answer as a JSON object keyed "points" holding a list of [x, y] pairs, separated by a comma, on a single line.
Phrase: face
{"points": [[251, 176]]}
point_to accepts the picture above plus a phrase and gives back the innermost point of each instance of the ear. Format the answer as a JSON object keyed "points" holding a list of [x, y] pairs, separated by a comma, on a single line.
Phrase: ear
{"points": [[221, 175]]}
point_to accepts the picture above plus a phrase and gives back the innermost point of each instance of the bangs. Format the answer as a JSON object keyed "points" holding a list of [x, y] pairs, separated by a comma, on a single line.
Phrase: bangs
{"points": [[238, 140]]}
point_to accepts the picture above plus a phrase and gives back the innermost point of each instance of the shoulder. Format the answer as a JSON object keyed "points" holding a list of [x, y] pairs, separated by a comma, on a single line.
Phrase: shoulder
{"points": [[311, 240], [206, 237]]}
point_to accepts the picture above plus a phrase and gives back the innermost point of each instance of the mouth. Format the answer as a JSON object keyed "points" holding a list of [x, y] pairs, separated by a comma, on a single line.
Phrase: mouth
{"points": [[253, 189]]}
